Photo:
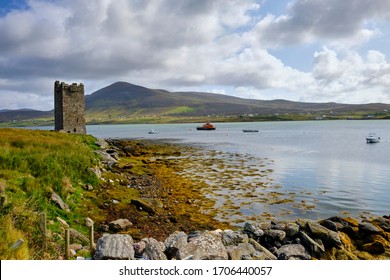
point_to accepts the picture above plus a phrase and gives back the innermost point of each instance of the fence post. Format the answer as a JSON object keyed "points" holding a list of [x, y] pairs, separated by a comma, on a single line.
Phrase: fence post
{"points": [[67, 240], [44, 232], [90, 223], [91, 240]]}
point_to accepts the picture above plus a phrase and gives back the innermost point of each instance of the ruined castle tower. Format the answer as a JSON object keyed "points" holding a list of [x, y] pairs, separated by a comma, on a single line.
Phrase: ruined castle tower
{"points": [[69, 107]]}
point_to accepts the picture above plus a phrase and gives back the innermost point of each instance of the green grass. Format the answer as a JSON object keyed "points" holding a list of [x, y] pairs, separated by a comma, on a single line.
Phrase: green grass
{"points": [[180, 110], [33, 164]]}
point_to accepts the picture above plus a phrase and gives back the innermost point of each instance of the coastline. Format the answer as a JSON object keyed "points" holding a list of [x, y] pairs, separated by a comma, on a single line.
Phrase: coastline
{"points": [[145, 189], [170, 203]]}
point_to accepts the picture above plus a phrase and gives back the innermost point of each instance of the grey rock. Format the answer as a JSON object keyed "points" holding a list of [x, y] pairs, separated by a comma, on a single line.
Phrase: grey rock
{"points": [[114, 247], [291, 229], [241, 251], [175, 242], [369, 228], [102, 143], [329, 237], [253, 229], [278, 226], [113, 154], [120, 224], [154, 250], [17, 244], [207, 246], [293, 252], [383, 223], [264, 225], [139, 248], [329, 225], [106, 159], [77, 237], [230, 237], [314, 247], [262, 249], [58, 200], [303, 223], [275, 234]]}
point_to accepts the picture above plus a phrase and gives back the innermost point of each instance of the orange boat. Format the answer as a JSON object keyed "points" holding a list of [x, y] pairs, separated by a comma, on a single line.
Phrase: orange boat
{"points": [[206, 126]]}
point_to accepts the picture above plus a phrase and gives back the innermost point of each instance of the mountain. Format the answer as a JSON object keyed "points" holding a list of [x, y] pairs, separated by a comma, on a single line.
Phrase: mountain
{"points": [[125, 99], [24, 114]]}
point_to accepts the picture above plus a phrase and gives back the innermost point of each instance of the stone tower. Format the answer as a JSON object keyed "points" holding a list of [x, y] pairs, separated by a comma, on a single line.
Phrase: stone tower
{"points": [[69, 108]]}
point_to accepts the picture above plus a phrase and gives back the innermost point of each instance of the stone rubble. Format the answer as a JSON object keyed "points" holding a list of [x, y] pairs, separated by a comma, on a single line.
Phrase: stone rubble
{"points": [[333, 238]]}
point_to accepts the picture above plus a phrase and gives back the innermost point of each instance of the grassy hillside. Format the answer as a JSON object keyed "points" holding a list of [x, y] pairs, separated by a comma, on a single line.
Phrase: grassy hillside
{"points": [[125, 102], [33, 165]]}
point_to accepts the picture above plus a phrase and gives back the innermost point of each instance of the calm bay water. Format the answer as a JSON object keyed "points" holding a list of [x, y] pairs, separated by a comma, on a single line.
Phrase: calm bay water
{"points": [[326, 164]]}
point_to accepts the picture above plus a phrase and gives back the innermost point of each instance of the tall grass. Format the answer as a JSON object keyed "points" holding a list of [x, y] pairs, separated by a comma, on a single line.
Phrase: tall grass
{"points": [[33, 164]]}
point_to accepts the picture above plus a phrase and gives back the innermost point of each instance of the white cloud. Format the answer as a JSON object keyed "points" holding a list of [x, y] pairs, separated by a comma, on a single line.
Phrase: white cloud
{"points": [[212, 45], [309, 20], [352, 76]]}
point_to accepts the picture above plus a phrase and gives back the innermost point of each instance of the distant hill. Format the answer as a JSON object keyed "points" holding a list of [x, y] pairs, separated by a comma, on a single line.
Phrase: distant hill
{"points": [[125, 100], [24, 114]]}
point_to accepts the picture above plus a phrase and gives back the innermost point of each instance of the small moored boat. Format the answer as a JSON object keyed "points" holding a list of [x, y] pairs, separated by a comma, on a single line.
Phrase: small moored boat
{"points": [[206, 126], [250, 130], [152, 131], [372, 138]]}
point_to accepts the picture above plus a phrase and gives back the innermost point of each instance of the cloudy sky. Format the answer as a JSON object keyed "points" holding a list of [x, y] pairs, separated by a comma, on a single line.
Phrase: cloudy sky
{"points": [[301, 50]]}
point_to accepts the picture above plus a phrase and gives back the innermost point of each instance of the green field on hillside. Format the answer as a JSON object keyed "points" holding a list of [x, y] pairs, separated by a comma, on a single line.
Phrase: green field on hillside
{"points": [[33, 165]]}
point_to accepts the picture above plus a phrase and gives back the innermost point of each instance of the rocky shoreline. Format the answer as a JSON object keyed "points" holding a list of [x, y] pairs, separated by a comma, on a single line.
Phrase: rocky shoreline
{"points": [[166, 223], [335, 238]]}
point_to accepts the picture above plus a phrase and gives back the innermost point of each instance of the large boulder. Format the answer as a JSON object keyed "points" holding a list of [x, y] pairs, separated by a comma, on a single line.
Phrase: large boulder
{"points": [[262, 249], [154, 250], [291, 229], [275, 234], [329, 237], [315, 248], [206, 246], [230, 237], [368, 228], [174, 243], [243, 251], [383, 223], [293, 252], [120, 224], [253, 229], [114, 247]]}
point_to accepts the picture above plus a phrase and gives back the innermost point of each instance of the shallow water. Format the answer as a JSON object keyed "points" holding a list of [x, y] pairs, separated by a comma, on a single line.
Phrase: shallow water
{"points": [[316, 168]]}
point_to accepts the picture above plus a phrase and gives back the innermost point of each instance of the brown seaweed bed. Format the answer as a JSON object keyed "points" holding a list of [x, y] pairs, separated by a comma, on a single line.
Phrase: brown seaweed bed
{"points": [[195, 189], [240, 186]]}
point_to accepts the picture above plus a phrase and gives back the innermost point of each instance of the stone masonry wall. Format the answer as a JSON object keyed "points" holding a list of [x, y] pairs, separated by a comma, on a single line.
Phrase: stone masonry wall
{"points": [[69, 107]]}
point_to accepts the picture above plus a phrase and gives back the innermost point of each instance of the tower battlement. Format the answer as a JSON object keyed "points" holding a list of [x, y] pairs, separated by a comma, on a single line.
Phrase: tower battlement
{"points": [[69, 107]]}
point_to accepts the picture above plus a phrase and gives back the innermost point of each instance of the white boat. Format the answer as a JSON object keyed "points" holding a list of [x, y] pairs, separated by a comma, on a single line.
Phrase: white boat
{"points": [[372, 138], [152, 131]]}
